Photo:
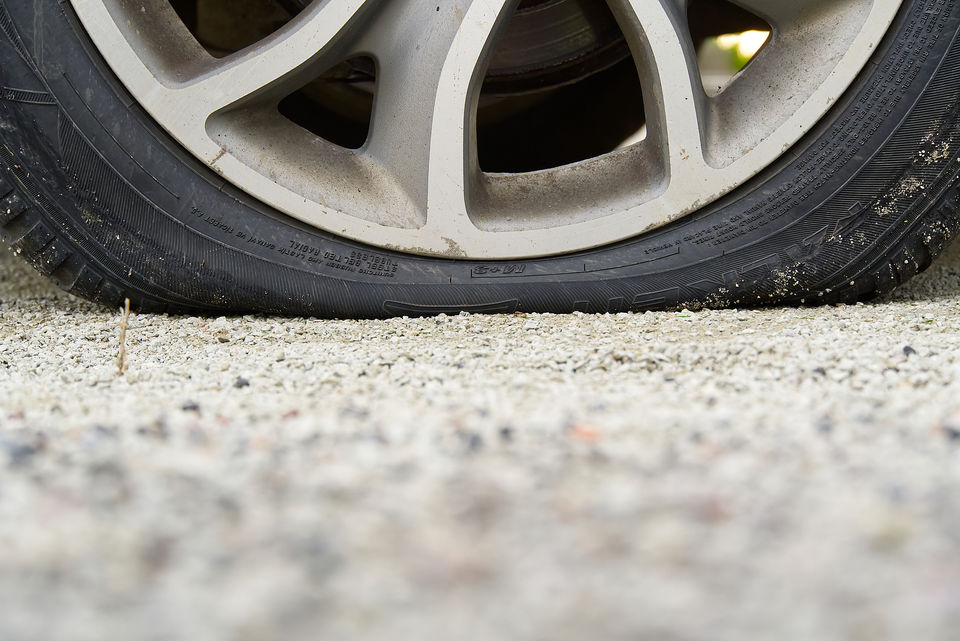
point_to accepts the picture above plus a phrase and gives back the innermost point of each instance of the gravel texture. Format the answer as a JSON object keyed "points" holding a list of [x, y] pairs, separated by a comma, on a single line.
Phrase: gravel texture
{"points": [[779, 474]]}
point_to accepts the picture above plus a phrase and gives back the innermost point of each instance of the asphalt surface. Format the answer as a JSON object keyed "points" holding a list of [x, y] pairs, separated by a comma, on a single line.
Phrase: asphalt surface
{"points": [[779, 474]]}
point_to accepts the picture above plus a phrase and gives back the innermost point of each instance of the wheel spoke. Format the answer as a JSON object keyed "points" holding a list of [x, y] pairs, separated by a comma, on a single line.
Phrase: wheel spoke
{"points": [[195, 86], [674, 97], [781, 13], [431, 58], [275, 63]]}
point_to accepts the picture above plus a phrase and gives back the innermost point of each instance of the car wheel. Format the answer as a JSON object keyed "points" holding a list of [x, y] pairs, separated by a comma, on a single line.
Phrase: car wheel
{"points": [[353, 158]]}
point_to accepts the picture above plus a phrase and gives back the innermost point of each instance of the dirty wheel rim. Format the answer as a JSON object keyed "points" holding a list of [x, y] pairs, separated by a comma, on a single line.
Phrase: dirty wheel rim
{"points": [[416, 185]]}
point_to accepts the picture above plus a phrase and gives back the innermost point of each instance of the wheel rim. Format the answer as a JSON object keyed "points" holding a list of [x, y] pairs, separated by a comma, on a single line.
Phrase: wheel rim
{"points": [[416, 185]]}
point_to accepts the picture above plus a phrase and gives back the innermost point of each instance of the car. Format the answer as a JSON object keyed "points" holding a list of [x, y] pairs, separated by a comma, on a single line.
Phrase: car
{"points": [[371, 158]]}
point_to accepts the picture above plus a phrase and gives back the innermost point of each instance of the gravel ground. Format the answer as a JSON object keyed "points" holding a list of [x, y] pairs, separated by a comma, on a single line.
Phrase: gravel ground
{"points": [[779, 474]]}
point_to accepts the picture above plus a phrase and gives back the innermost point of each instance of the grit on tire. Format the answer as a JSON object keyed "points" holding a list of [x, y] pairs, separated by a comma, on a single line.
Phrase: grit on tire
{"points": [[102, 200]]}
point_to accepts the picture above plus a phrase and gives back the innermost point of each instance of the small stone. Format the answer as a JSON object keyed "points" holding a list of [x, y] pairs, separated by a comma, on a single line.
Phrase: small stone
{"points": [[909, 351], [19, 453], [190, 406], [241, 382], [584, 433], [950, 426], [103, 431], [474, 441], [156, 429]]}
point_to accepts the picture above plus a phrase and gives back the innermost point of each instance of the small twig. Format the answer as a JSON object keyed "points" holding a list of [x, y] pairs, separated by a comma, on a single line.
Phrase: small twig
{"points": [[124, 323]]}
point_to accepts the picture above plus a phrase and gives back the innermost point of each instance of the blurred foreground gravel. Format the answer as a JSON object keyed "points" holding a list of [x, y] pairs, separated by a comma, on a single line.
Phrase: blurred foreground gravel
{"points": [[780, 474]]}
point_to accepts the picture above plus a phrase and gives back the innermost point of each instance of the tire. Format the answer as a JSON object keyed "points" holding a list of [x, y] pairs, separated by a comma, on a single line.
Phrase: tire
{"points": [[102, 200]]}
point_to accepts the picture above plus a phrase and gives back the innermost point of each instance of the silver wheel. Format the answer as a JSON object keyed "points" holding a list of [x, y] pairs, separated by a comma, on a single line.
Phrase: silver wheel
{"points": [[416, 184]]}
